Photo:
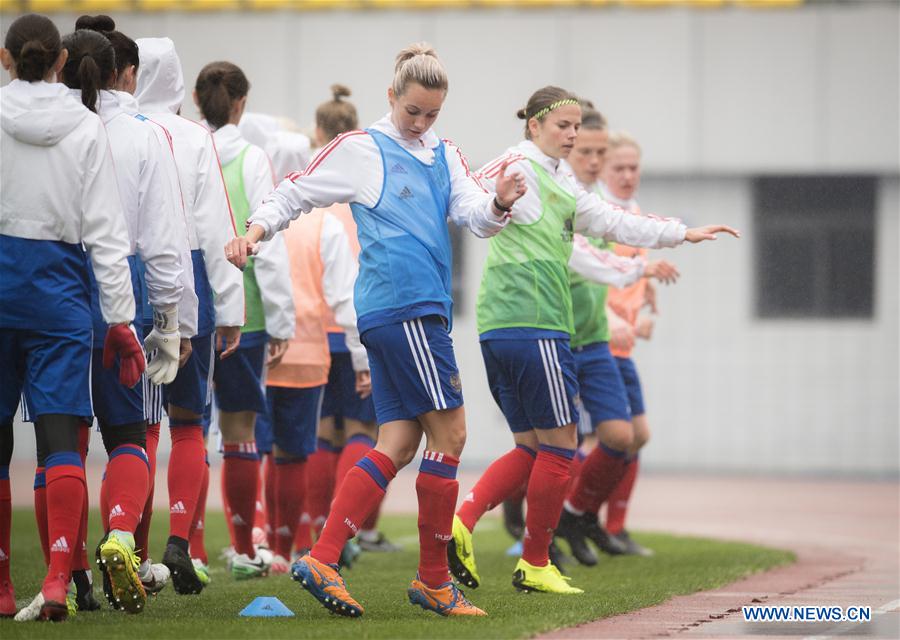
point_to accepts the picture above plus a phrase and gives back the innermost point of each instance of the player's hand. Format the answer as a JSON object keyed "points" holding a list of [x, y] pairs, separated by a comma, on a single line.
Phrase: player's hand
{"points": [[621, 336], [277, 349], [662, 270], [163, 351], [122, 341], [363, 384], [699, 234], [227, 340], [239, 249], [185, 350], [644, 328], [509, 188]]}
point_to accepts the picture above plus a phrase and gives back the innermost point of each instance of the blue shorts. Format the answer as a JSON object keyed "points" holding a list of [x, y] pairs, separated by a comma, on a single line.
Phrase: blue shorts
{"points": [[340, 399], [292, 419], [190, 388], [413, 369], [114, 403], [262, 430], [600, 384], [51, 369], [239, 378], [632, 385], [532, 381]]}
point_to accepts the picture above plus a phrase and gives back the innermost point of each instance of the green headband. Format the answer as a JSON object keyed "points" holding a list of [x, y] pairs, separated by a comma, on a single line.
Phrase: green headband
{"points": [[559, 103]]}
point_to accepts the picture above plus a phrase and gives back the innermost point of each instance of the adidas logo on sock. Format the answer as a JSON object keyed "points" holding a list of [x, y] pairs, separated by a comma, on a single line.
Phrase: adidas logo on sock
{"points": [[406, 193], [61, 545], [3, 556], [237, 520], [199, 525], [470, 497], [178, 507], [352, 526], [398, 168], [283, 530], [117, 511], [443, 538]]}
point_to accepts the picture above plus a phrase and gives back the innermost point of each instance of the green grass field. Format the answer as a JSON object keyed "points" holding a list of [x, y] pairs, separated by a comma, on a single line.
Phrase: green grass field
{"points": [[681, 566]]}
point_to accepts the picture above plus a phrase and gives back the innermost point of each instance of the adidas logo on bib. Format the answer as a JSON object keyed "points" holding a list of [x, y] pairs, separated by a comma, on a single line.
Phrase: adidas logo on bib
{"points": [[406, 193], [398, 168], [60, 546]]}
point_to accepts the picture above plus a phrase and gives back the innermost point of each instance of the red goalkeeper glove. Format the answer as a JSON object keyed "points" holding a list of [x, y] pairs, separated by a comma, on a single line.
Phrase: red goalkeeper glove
{"points": [[122, 341]]}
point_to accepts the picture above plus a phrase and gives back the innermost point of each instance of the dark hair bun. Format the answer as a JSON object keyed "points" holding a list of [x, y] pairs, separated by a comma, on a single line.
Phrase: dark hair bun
{"points": [[522, 114], [339, 91], [99, 23]]}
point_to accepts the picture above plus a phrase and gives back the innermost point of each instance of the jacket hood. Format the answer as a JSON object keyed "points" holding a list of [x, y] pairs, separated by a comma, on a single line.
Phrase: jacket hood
{"points": [[160, 82], [127, 101], [229, 142], [39, 113], [107, 104]]}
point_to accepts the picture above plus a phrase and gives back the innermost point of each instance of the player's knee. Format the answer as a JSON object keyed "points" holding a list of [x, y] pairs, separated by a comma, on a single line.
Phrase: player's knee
{"points": [[122, 434], [620, 439]]}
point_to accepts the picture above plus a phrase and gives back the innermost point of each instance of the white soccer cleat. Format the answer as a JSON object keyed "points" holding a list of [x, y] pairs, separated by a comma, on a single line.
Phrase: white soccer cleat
{"points": [[154, 577], [243, 567], [280, 565], [32, 610]]}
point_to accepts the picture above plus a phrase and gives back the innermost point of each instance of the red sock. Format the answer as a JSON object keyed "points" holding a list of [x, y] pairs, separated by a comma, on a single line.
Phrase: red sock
{"points": [[241, 471], [303, 533], [371, 522], [617, 504], [546, 492], [259, 513], [577, 461], [65, 501], [501, 480], [271, 508], [363, 487], [354, 450], [5, 524], [142, 533], [40, 511], [198, 529], [320, 473], [80, 561], [290, 490], [226, 508], [600, 473], [104, 502], [186, 462], [437, 489], [127, 482]]}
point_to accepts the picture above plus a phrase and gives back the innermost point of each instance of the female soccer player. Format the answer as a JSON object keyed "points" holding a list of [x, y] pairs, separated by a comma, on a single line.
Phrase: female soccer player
{"points": [[219, 288], [45, 317], [603, 391], [402, 183], [323, 270], [221, 95], [620, 181], [153, 225], [525, 322]]}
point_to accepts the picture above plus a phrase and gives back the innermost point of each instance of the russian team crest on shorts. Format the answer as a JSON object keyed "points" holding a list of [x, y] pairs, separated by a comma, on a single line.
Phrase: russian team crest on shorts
{"points": [[455, 382]]}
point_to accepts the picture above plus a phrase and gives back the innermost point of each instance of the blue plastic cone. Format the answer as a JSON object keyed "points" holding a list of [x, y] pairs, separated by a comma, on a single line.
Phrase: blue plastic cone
{"points": [[267, 607]]}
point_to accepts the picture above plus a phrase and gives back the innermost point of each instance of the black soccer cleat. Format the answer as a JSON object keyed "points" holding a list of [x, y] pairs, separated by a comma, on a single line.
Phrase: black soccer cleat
{"points": [[571, 530], [184, 577]]}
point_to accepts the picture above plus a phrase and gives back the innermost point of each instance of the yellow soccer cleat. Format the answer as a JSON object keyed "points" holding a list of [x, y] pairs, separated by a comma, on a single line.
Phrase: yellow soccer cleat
{"points": [[447, 600], [528, 577], [461, 555], [121, 563]]}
